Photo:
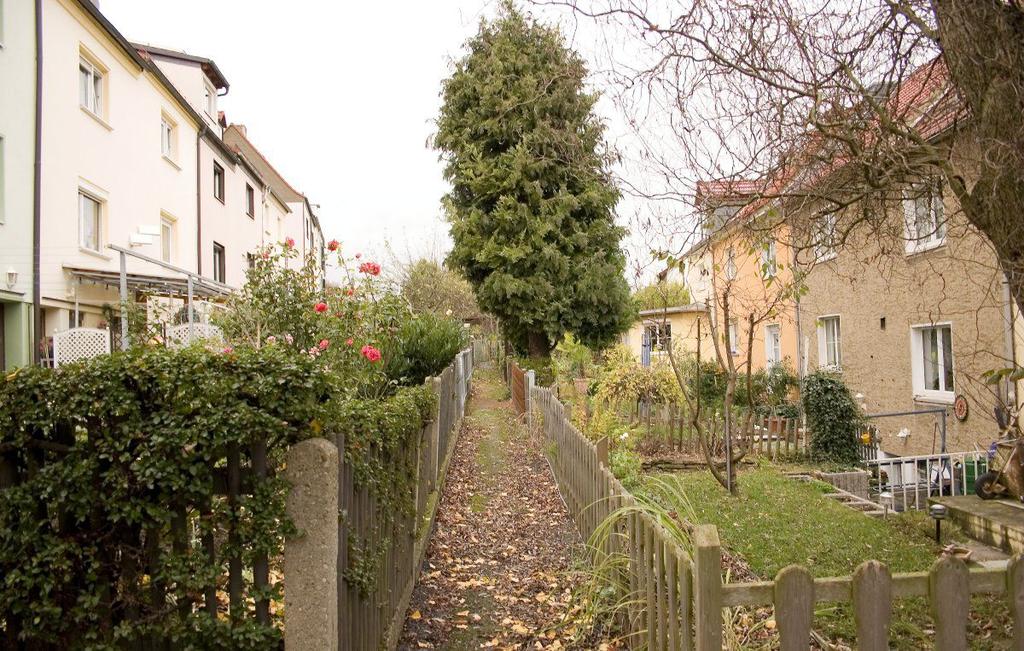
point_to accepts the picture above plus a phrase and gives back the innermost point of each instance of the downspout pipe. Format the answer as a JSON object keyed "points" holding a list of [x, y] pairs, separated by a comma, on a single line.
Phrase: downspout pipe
{"points": [[37, 192], [199, 200]]}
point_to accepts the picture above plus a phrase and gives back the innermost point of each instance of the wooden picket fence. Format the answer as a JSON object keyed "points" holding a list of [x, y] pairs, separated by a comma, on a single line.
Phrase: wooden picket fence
{"points": [[676, 601], [776, 436], [669, 424], [373, 620], [516, 378]]}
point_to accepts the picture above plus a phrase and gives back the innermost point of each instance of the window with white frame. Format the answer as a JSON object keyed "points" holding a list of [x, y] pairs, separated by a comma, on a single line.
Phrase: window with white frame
{"points": [[168, 136], [825, 237], [932, 348], [250, 201], [90, 87], [769, 265], [659, 335], [90, 221], [772, 345], [924, 214], [211, 100], [830, 342], [166, 239], [734, 336], [730, 263]]}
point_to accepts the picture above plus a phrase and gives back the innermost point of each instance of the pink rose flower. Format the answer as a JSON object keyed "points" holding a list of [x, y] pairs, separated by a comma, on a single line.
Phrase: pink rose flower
{"points": [[333, 245], [324, 343], [289, 242], [348, 342], [370, 353], [320, 307], [371, 268], [271, 339], [228, 350]]}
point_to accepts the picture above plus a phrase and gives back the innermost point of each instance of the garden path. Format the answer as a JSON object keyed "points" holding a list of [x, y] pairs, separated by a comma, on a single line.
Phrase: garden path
{"points": [[499, 568]]}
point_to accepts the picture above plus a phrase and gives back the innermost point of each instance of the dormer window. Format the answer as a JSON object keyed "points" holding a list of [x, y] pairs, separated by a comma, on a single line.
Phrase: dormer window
{"points": [[211, 100]]}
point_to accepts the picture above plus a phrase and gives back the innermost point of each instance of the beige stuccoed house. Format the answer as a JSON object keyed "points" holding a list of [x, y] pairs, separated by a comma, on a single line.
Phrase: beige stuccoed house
{"points": [[655, 330], [913, 314]]}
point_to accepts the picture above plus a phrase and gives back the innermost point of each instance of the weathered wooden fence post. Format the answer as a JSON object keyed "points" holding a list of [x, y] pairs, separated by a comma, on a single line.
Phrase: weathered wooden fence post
{"points": [[311, 558], [707, 588], [794, 607], [1015, 593], [950, 598], [529, 379], [872, 605]]}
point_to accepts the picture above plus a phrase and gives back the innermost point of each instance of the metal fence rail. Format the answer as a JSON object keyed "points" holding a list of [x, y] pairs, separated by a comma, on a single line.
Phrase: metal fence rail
{"points": [[910, 481]]}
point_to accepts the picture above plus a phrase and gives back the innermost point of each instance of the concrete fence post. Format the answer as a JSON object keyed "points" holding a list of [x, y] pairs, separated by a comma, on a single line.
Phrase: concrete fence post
{"points": [[311, 557], [460, 386], [529, 379]]}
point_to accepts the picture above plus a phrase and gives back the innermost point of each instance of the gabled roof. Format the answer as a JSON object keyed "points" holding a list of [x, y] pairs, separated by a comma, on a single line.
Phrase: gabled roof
{"points": [[208, 66], [235, 137]]}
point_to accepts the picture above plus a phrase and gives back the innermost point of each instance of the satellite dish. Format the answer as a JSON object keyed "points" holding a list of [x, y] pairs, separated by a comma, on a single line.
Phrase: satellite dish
{"points": [[146, 229]]}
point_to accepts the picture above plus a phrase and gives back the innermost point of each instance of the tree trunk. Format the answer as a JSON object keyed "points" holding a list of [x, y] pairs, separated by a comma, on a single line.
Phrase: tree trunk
{"points": [[537, 344], [983, 46]]}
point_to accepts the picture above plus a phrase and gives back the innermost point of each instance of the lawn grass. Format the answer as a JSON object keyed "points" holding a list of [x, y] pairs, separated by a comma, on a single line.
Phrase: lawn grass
{"points": [[777, 521]]}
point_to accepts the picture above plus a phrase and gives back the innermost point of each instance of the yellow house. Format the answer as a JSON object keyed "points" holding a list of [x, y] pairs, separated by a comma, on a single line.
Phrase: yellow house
{"points": [[655, 330]]}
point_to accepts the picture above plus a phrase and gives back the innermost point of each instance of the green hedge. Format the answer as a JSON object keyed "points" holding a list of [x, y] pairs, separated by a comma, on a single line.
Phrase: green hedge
{"points": [[112, 450]]}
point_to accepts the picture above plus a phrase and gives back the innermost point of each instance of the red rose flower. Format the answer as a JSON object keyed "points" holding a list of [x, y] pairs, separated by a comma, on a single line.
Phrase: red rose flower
{"points": [[324, 343], [320, 307], [371, 268], [370, 353], [333, 245], [348, 342], [289, 242]]}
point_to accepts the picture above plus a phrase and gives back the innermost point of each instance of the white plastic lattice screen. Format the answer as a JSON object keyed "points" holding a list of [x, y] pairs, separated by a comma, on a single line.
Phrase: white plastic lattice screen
{"points": [[80, 343], [178, 336]]}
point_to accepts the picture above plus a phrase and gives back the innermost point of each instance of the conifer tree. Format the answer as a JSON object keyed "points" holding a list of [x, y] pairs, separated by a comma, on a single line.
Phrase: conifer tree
{"points": [[531, 208]]}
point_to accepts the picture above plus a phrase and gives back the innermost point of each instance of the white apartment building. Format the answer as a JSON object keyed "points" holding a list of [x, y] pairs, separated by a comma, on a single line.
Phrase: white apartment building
{"points": [[17, 150], [132, 156]]}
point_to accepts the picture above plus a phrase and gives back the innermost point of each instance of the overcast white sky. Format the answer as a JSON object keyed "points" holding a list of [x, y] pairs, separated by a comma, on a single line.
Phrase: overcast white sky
{"points": [[340, 96]]}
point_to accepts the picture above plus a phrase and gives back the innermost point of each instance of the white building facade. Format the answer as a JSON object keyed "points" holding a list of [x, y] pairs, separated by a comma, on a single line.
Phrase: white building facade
{"points": [[132, 156]]}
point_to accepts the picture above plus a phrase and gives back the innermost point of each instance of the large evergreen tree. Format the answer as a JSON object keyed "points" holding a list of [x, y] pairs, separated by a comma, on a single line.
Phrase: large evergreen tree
{"points": [[532, 201]]}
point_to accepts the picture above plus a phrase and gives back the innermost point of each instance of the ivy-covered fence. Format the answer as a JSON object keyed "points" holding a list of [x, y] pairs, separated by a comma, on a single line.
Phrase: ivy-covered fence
{"points": [[143, 502], [387, 508]]}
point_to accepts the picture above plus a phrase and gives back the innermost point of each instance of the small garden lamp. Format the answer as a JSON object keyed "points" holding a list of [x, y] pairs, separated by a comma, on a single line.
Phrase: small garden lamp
{"points": [[938, 513], [887, 501]]}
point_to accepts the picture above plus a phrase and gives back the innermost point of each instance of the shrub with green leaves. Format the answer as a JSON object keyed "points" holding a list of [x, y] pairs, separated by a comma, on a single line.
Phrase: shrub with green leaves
{"points": [[114, 450], [833, 416], [422, 346]]}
